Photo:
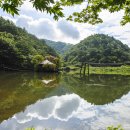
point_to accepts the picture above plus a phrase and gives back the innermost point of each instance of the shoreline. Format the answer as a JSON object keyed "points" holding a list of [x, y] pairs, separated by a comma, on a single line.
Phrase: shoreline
{"points": [[123, 70]]}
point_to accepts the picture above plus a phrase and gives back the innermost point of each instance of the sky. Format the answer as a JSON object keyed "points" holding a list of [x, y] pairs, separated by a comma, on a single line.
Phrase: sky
{"points": [[43, 26]]}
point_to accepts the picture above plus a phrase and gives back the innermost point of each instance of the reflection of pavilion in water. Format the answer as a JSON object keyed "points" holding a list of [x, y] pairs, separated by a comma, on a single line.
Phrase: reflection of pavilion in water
{"points": [[18, 90], [49, 80]]}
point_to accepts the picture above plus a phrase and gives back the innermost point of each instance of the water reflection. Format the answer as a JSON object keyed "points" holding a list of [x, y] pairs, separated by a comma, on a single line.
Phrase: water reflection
{"points": [[99, 89], [60, 108], [17, 90], [70, 112], [63, 102]]}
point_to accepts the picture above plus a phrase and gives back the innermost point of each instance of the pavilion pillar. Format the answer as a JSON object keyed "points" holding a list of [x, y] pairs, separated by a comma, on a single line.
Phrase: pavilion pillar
{"points": [[88, 68], [84, 68]]}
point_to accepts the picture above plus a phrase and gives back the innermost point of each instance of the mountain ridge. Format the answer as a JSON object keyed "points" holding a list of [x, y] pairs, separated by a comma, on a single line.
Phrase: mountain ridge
{"points": [[59, 47], [98, 48]]}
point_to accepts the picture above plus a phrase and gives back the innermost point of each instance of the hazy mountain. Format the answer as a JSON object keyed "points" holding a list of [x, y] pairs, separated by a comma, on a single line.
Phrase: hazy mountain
{"points": [[59, 47]]}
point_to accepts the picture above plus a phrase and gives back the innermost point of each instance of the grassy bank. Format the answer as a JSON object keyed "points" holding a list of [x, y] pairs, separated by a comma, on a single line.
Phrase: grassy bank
{"points": [[123, 70]]}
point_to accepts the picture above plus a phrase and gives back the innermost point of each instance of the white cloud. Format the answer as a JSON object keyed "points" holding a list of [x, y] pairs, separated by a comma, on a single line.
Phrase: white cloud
{"points": [[27, 6], [68, 29], [23, 21], [71, 112], [48, 29], [43, 28]]}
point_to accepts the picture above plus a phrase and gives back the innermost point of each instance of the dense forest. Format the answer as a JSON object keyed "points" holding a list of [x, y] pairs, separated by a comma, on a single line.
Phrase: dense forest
{"points": [[98, 48], [59, 47], [18, 48]]}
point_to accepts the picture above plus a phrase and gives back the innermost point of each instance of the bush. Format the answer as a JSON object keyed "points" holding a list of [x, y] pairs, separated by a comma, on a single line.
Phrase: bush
{"points": [[119, 127], [54, 60], [49, 68]]}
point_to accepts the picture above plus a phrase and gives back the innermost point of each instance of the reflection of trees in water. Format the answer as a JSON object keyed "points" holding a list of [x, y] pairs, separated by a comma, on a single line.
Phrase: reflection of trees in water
{"points": [[17, 90], [99, 89]]}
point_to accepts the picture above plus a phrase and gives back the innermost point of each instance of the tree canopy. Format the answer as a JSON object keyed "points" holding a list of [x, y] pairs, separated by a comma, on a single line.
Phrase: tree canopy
{"points": [[98, 48], [89, 14], [18, 48], [59, 47]]}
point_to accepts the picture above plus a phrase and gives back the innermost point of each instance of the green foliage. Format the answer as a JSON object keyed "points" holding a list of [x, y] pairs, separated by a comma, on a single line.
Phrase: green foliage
{"points": [[54, 60], [97, 89], [89, 14], [8, 52], [30, 128], [123, 70], [49, 67], [37, 59], [18, 48], [59, 47], [115, 128], [98, 48], [50, 64]]}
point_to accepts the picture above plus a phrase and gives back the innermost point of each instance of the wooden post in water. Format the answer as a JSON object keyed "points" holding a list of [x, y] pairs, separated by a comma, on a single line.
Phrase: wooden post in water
{"points": [[84, 68], [81, 69], [88, 68]]}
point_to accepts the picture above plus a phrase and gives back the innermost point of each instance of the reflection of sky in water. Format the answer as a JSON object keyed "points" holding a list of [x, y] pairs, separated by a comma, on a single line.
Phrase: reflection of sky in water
{"points": [[70, 112]]}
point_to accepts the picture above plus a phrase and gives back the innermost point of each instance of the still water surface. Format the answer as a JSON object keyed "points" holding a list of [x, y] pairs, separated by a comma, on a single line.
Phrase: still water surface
{"points": [[63, 102]]}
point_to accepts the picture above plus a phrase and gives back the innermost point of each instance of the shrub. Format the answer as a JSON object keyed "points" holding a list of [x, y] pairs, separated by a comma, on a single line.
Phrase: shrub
{"points": [[49, 67], [119, 127]]}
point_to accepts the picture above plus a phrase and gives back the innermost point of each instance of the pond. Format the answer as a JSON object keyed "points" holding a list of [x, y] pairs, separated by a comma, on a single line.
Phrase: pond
{"points": [[63, 102]]}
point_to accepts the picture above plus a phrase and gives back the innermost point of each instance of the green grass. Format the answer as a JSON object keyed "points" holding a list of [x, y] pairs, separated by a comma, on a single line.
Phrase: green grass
{"points": [[119, 127], [123, 70]]}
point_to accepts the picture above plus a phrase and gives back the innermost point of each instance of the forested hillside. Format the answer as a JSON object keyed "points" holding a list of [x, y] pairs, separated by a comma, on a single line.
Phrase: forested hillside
{"points": [[18, 47], [99, 48], [59, 47]]}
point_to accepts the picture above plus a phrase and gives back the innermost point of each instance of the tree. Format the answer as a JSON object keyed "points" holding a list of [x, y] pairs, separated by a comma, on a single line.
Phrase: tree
{"points": [[18, 48], [37, 59], [9, 55], [89, 14], [98, 48]]}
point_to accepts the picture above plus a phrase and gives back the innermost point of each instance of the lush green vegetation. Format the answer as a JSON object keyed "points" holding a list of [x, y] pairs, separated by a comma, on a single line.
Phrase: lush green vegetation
{"points": [[21, 50], [108, 128], [97, 89], [18, 48], [53, 67], [98, 48], [119, 127], [59, 47], [89, 14], [123, 70]]}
